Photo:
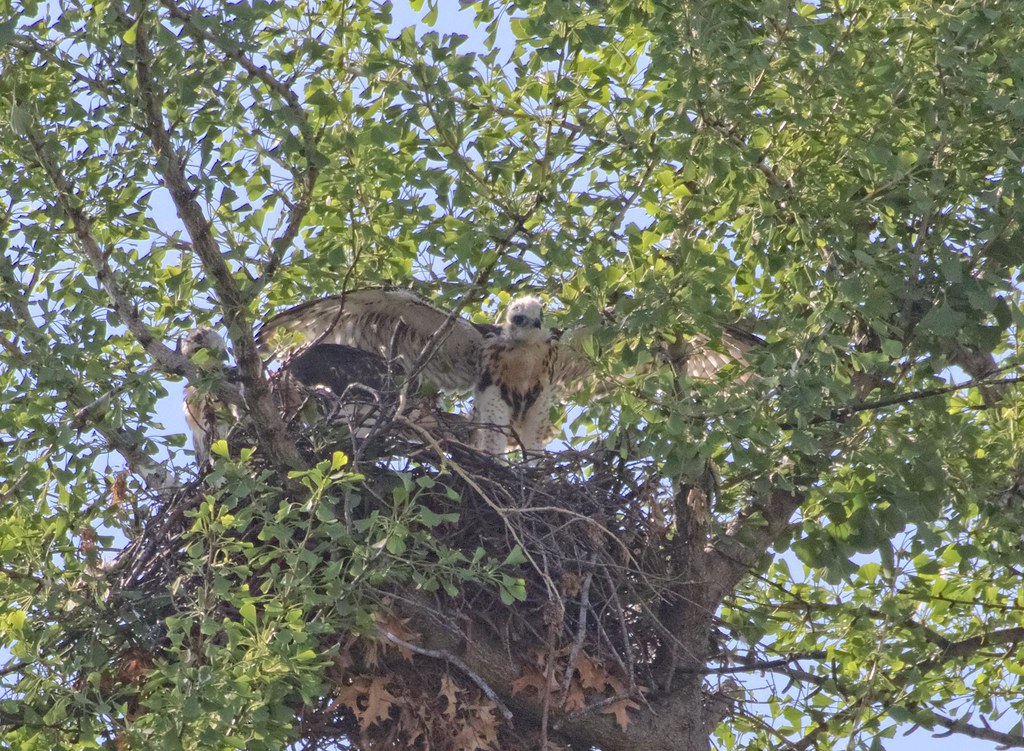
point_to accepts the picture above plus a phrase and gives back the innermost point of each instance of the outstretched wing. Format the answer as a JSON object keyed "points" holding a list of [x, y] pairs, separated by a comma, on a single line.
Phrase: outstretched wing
{"points": [[396, 324], [569, 363], [700, 357]]}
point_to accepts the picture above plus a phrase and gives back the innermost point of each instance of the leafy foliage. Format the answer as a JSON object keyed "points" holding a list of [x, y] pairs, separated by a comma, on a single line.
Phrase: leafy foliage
{"points": [[843, 179]]}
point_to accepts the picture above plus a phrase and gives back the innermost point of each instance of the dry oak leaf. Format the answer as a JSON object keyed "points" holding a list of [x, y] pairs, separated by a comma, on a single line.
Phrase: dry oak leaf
{"points": [[469, 738], [449, 691], [592, 675], [621, 709], [532, 679], [596, 677], [368, 698], [413, 723], [349, 693], [118, 489], [378, 703], [483, 718], [574, 698], [397, 628]]}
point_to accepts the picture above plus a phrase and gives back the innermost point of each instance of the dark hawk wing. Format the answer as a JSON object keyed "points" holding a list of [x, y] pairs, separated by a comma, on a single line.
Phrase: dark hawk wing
{"points": [[358, 381], [338, 368], [395, 324], [346, 372], [363, 390]]}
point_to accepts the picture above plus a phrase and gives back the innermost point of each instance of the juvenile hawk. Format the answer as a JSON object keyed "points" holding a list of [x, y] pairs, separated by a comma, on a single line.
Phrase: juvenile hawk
{"points": [[207, 417], [516, 370]]}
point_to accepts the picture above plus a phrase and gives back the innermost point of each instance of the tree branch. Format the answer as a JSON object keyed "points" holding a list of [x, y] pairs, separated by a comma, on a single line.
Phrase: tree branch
{"points": [[950, 650], [171, 166], [168, 360], [896, 399], [973, 731], [759, 665], [747, 538], [453, 660], [301, 205], [967, 647], [79, 398]]}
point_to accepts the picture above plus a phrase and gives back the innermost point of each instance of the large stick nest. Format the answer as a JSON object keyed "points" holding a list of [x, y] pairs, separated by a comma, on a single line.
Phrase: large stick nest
{"points": [[593, 535]]}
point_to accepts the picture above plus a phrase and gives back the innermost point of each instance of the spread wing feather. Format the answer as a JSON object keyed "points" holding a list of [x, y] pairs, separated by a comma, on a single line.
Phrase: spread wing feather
{"points": [[569, 363], [394, 323], [699, 359]]}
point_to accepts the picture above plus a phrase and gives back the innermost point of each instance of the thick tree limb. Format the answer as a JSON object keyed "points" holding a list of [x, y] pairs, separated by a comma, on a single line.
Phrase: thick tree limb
{"points": [[234, 302], [969, 646], [746, 540], [686, 611]]}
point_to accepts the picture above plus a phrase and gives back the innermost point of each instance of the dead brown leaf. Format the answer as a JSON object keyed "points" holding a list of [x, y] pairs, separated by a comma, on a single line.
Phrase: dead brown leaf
{"points": [[532, 679], [397, 627], [592, 675], [621, 709], [574, 699], [378, 703], [449, 690]]}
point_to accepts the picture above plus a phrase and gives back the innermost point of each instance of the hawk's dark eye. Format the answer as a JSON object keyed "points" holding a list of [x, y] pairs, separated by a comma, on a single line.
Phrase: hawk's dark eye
{"points": [[518, 320]]}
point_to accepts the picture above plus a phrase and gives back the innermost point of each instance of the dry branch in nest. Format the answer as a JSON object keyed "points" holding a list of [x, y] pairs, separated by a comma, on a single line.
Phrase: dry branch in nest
{"points": [[484, 665]]}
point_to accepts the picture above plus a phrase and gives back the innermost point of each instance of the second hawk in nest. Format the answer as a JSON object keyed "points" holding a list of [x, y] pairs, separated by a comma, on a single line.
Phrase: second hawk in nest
{"points": [[516, 370]]}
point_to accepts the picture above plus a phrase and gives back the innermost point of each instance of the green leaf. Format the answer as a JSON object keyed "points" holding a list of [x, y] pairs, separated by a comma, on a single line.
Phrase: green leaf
{"points": [[515, 557], [520, 27], [942, 321], [395, 544], [7, 29], [431, 519], [844, 182], [21, 120], [512, 590], [129, 36]]}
